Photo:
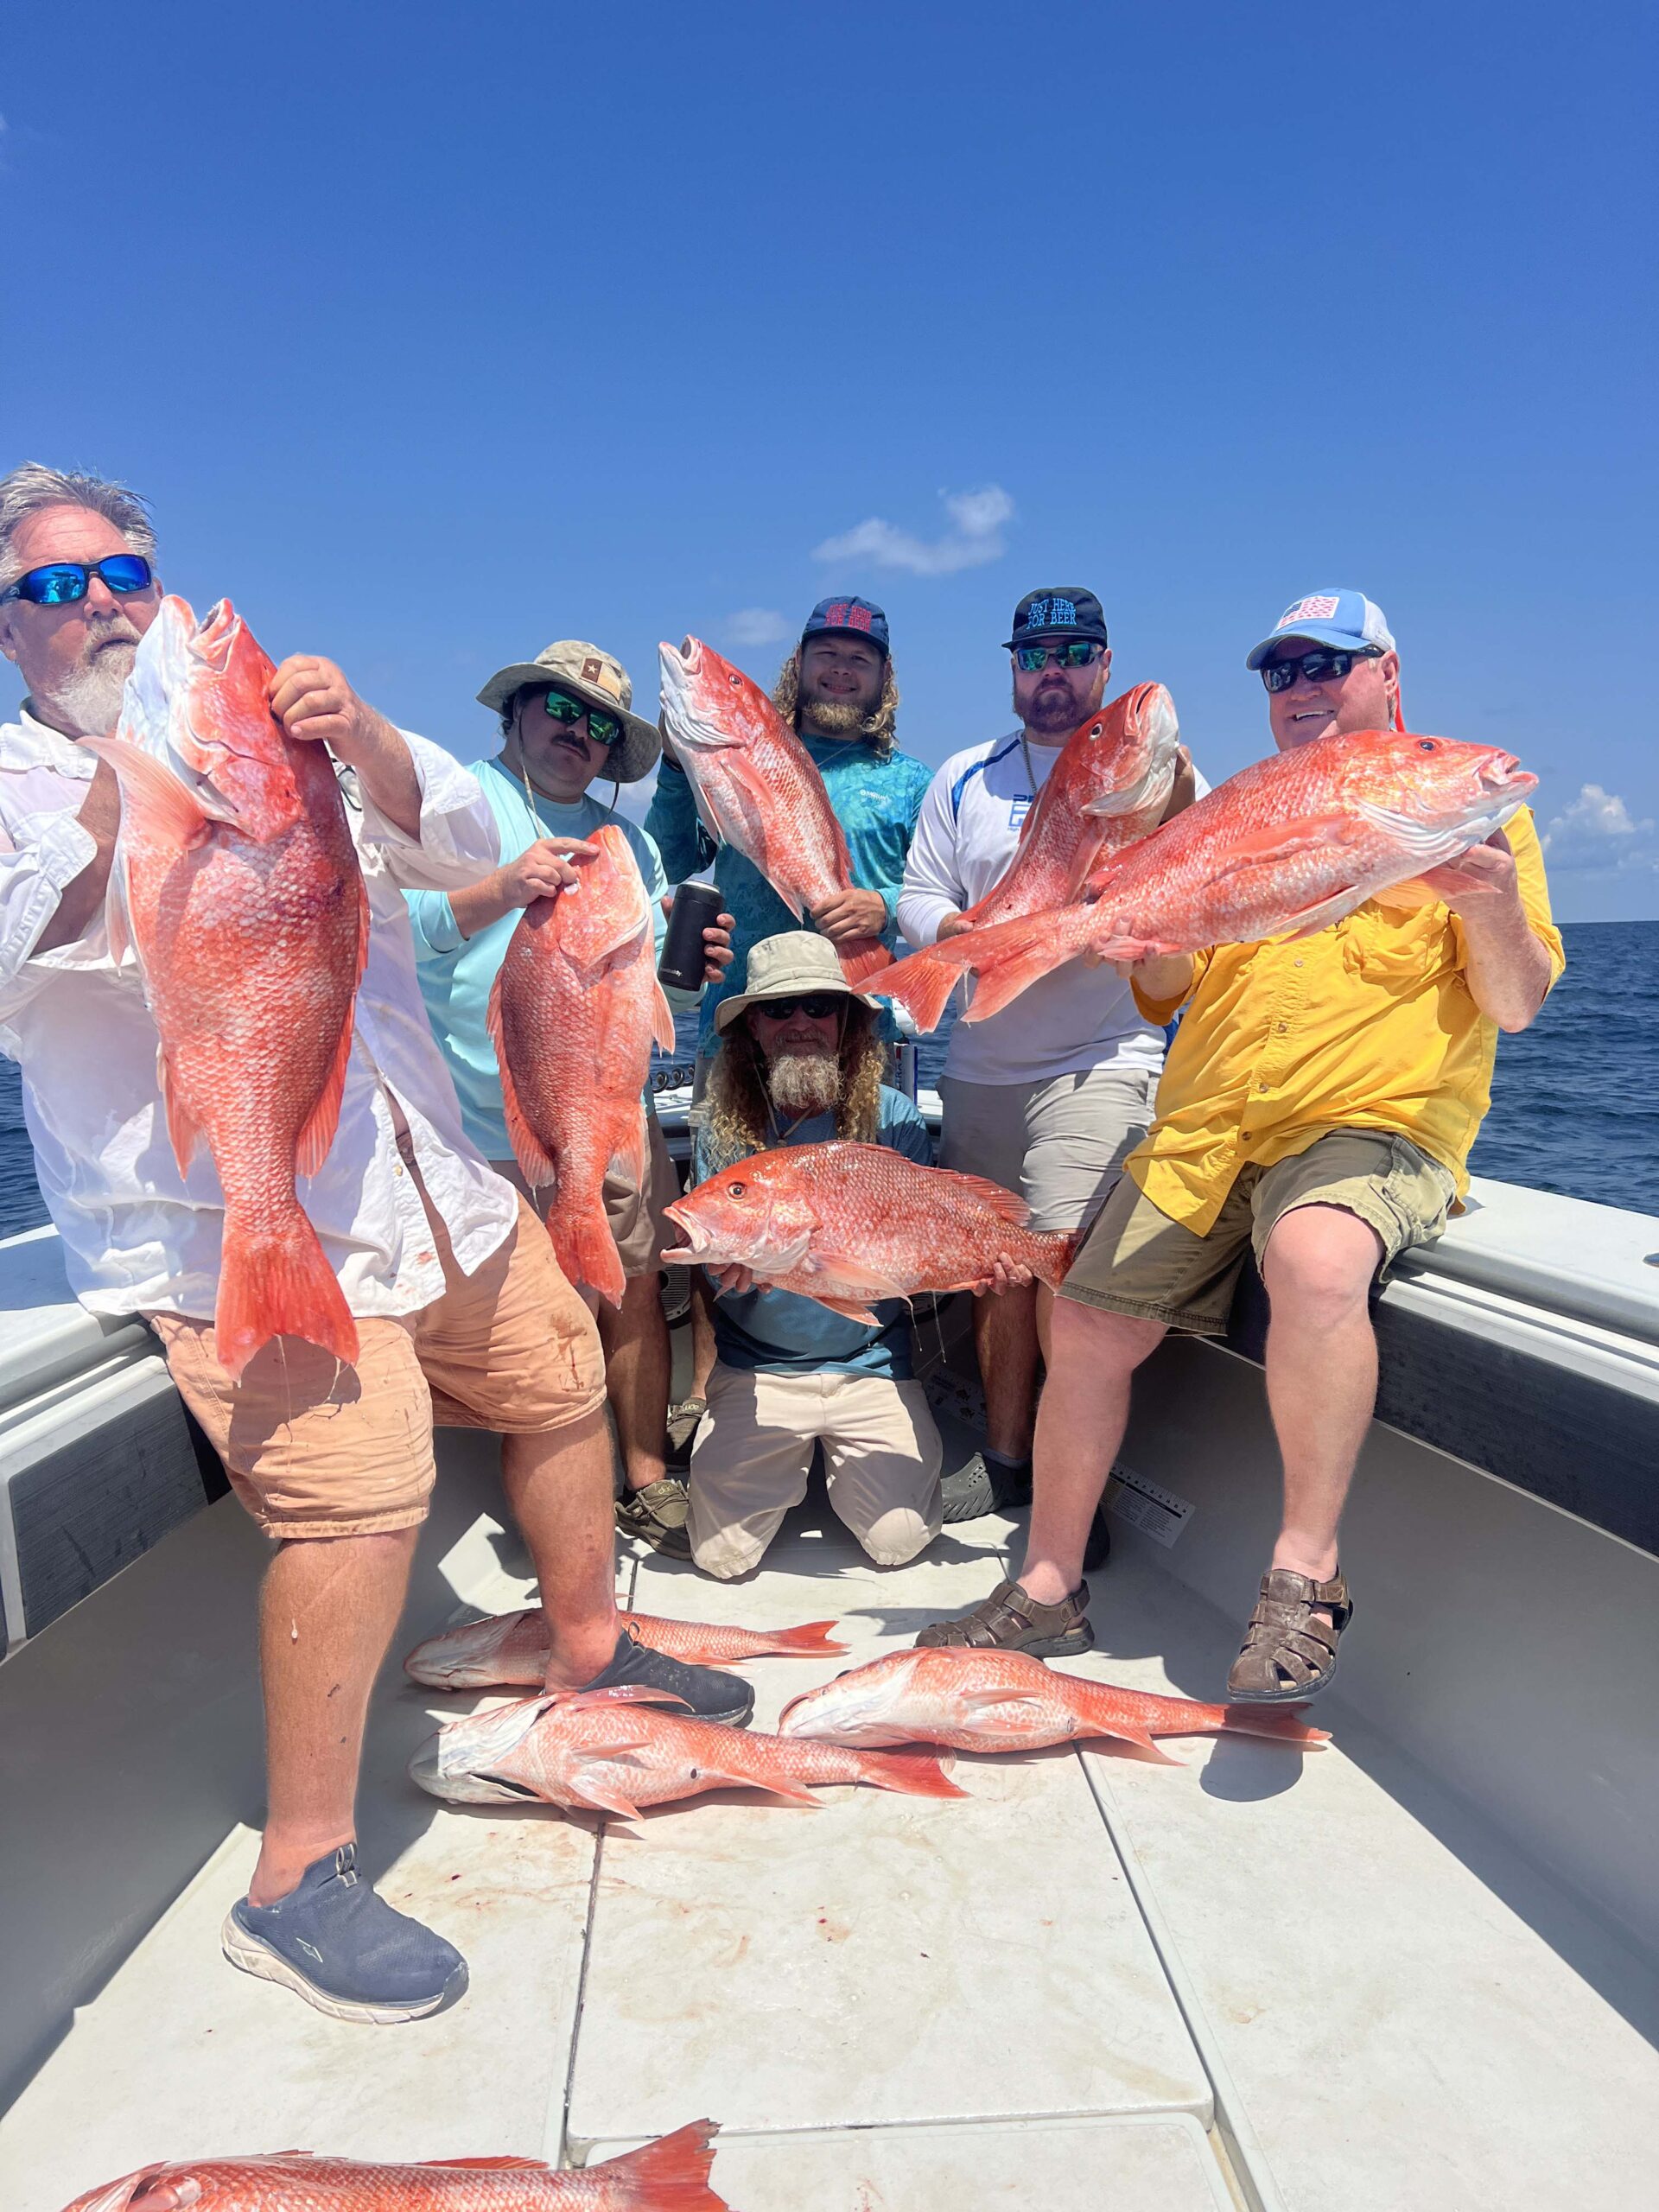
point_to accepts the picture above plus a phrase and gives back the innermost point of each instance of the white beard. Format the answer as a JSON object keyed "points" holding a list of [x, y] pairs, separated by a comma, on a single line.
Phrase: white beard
{"points": [[804, 1082], [87, 702]]}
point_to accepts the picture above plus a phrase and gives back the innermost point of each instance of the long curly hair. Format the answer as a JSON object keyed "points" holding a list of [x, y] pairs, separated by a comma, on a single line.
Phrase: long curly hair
{"points": [[739, 1119], [879, 728]]}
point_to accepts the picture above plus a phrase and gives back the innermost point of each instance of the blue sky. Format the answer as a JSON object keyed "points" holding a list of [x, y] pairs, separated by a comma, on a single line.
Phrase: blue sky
{"points": [[434, 333]]}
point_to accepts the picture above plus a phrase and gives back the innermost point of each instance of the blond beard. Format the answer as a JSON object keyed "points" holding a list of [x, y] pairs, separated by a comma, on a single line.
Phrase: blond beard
{"points": [[804, 1082], [834, 717]]}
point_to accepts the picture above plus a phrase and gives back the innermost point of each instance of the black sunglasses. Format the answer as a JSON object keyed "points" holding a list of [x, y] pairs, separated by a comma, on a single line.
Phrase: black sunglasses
{"points": [[817, 1005], [1324, 666], [604, 729], [59, 583], [1079, 653]]}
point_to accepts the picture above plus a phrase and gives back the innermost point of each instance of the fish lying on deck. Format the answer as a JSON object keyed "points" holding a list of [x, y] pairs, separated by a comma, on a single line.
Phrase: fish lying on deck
{"points": [[614, 1751], [851, 1223], [758, 788], [573, 1014], [512, 1647], [1007, 1702], [237, 885], [1284, 847], [670, 2175], [1108, 786]]}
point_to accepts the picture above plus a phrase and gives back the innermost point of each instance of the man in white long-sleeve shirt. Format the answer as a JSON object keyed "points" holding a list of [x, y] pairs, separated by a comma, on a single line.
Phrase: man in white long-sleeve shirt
{"points": [[462, 1314], [1049, 1097]]}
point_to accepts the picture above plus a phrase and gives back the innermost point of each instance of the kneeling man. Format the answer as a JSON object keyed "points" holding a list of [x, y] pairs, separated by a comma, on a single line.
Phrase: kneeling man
{"points": [[800, 1062]]}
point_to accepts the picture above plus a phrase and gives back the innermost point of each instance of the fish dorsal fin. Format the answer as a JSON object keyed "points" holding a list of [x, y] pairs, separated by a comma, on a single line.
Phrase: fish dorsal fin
{"points": [[1008, 1205], [491, 2165]]}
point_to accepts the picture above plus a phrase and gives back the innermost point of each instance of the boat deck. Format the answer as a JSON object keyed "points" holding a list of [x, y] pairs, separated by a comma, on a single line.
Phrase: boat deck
{"points": [[1260, 1978]]}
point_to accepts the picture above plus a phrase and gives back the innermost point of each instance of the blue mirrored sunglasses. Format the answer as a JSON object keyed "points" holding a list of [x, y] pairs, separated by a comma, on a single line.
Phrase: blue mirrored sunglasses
{"points": [[62, 582], [1079, 653]]}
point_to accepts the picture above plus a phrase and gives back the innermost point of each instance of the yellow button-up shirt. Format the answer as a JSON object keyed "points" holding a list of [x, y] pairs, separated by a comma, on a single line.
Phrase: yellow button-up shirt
{"points": [[1368, 1025]]}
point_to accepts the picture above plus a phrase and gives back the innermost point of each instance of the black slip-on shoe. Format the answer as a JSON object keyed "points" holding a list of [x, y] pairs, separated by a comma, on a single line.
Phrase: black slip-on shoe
{"points": [[711, 1695], [980, 1486]]}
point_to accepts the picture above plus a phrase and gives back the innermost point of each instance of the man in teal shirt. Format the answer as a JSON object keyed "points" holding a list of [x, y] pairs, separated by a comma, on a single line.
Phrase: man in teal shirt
{"points": [[837, 691], [566, 720]]}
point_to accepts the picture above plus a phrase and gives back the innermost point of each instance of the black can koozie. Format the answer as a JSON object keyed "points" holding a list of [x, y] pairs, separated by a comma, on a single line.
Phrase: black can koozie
{"points": [[694, 909]]}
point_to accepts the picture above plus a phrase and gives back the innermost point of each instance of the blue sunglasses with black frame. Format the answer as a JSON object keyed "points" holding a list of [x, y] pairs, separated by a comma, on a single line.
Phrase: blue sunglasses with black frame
{"points": [[59, 583]]}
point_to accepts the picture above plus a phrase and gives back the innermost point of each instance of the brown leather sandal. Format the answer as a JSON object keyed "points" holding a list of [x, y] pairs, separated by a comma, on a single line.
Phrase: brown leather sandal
{"points": [[1010, 1621], [1290, 1651]]}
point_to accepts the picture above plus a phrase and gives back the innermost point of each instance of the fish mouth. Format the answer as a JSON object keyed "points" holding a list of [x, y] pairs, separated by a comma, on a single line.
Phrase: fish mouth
{"points": [[215, 636], [455, 1762], [1506, 774], [697, 1237]]}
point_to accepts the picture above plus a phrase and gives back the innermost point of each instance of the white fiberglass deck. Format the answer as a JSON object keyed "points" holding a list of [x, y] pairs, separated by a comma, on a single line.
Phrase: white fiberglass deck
{"points": [[1098, 1984]]}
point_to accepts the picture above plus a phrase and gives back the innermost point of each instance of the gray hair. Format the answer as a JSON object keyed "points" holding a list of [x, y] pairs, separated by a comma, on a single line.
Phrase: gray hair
{"points": [[32, 486]]}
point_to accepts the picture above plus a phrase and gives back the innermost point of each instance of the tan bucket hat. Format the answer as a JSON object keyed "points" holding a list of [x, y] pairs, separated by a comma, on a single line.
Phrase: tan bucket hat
{"points": [[601, 680], [789, 965]]}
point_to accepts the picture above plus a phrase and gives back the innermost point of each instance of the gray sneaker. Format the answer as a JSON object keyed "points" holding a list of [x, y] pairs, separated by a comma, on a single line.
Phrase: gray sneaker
{"points": [[335, 1942]]}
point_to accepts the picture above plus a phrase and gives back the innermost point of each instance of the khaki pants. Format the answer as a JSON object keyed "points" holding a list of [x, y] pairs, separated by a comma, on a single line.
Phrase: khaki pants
{"points": [[753, 1450]]}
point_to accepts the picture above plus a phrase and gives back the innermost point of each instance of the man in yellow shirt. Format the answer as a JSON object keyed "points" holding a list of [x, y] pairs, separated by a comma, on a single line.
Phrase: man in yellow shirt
{"points": [[1318, 1104]]}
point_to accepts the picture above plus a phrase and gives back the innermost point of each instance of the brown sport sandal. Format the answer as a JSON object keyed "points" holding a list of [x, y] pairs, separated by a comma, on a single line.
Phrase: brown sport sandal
{"points": [[1010, 1621], [1290, 1651]]}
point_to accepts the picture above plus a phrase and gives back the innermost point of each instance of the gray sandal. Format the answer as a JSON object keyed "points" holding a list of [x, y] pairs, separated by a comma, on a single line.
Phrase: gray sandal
{"points": [[1290, 1651]]}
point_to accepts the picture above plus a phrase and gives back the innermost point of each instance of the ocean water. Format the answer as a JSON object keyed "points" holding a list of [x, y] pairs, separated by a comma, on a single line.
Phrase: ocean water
{"points": [[1575, 1099]]}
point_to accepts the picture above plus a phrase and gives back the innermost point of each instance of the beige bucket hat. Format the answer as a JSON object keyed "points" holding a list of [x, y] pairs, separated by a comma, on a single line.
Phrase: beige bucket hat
{"points": [[789, 965], [601, 680]]}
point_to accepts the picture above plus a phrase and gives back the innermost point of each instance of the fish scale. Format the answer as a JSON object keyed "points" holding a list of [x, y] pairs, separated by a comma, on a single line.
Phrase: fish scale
{"points": [[848, 1223], [1288, 846], [758, 788], [242, 897], [670, 2175]]}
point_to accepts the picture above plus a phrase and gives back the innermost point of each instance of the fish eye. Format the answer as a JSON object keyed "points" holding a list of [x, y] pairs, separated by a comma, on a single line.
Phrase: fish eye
{"points": [[1427, 745], [735, 679], [734, 1190]]}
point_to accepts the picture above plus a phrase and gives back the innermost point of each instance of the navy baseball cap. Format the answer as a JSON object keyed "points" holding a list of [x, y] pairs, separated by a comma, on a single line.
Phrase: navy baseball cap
{"points": [[1346, 621], [1061, 611], [860, 616]]}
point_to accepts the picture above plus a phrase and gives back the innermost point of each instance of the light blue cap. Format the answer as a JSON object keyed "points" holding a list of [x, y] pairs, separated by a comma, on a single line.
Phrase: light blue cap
{"points": [[1345, 619]]}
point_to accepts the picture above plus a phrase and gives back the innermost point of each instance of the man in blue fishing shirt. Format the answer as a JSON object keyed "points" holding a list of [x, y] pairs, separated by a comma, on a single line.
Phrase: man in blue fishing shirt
{"points": [[567, 722]]}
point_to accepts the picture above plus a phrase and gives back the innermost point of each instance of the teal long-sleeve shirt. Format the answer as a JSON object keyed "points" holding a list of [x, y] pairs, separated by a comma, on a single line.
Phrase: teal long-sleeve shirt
{"points": [[876, 801], [456, 973]]}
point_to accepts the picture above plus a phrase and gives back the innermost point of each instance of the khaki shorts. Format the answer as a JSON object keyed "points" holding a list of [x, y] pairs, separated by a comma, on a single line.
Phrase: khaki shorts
{"points": [[1137, 1261], [1060, 1144], [753, 1449], [314, 1448], [637, 1224]]}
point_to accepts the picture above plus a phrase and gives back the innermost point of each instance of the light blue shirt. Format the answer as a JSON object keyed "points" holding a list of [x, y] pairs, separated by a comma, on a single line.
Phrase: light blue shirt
{"points": [[456, 974], [785, 1334]]}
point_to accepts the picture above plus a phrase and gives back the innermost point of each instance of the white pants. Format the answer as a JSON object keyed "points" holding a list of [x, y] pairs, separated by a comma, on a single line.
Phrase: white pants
{"points": [[753, 1450]]}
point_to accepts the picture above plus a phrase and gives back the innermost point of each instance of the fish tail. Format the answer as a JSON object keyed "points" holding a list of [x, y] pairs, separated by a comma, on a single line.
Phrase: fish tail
{"points": [[278, 1282], [862, 958], [585, 1248], [813, 1638], [1264, 1720], [670, 2175], [921, 985], [915, 1774], [1029, 949]]}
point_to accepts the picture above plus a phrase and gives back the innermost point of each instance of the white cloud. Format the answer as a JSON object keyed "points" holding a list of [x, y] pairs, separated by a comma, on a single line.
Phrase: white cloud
{"points": [[977, 519], [1597, 832], [754, 626]]}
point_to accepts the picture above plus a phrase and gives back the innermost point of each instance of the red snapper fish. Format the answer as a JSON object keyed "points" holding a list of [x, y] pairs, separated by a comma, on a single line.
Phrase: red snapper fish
{"points": [[513, 1647], [851, 1223], [1008, 1701], [670, 2175], [1109, 786], [237, 886], [614, 1751], [573, 1014], [1284, 847], [758, 788]]}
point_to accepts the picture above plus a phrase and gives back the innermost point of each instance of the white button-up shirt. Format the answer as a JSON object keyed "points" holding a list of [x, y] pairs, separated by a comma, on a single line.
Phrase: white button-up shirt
{"points": [[137, 1234]]}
